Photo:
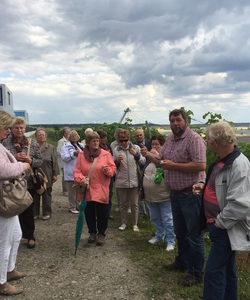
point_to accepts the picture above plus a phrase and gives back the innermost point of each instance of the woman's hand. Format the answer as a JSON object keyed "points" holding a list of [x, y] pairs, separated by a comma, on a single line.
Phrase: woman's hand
{"points": [[105, 169], [20, 156], [84, 181], [76, 152], [27, 167], [132, 151]]}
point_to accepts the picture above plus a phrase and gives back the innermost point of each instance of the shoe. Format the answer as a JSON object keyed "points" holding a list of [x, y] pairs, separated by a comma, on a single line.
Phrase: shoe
{"points": [[73, 211], [35, 217], [31, 244], [154, 240], [15, 275], [100, 240], [123, 227], [111, 218], [92, 238], [10, 290], [173, 267], [47, 217], [129, 210], [170, 248], [117, 209], [190, 280], [135, 228]]}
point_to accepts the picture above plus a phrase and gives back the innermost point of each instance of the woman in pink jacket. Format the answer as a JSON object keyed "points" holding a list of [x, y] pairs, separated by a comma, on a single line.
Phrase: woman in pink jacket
{"points": [[97, 195], [10, 230]]}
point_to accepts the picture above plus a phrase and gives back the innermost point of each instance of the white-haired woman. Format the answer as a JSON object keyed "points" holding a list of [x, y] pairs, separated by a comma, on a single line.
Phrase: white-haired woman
{"points": [[69, 153], [10, 230]]}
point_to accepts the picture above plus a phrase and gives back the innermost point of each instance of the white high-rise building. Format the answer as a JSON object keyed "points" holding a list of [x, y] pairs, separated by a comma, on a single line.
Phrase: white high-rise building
{"points": [[6, 99], [6, 103]]}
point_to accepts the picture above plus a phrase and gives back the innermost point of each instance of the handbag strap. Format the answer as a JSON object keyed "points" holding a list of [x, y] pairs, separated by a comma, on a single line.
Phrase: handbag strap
{"points": [[28, 150], [92, 167]]}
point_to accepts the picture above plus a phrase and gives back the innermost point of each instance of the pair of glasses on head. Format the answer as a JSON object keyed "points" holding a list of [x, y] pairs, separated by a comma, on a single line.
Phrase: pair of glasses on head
{"points": [[123, 141]]}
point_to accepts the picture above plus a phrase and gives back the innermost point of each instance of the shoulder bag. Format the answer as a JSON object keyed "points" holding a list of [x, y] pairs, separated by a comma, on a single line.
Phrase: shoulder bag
{"points": [[82, 188], [14, 197], [38, 177]]}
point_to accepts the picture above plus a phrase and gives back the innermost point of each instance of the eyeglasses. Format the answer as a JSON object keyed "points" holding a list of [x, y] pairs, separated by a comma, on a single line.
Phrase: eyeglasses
{"points": [[122, 141]]}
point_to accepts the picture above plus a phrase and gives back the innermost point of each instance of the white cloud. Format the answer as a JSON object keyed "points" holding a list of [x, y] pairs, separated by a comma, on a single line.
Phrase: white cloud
{"points": [[83, 61]]}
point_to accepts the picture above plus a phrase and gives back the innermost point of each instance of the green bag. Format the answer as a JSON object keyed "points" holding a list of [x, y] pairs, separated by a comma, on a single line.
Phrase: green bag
{"points": [[158, 175]]}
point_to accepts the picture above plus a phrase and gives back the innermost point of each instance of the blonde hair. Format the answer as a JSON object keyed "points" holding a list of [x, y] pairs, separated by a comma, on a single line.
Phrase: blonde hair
{"points": [[6, 120], [221, 132], [91, 136], [73, 132], [19, 121]]}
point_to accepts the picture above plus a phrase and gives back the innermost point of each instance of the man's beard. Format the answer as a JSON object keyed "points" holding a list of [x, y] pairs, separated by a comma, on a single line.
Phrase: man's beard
{"points": [[177, 131]]}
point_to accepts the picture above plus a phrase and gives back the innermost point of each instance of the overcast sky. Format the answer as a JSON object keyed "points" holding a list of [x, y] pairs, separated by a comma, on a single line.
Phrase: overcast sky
{"points": [[84, 61]]}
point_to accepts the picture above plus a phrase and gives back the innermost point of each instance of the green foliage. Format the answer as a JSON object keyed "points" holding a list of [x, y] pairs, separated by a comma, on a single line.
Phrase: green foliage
{"points": [[212, 118], [245, 149], [189, 114]]}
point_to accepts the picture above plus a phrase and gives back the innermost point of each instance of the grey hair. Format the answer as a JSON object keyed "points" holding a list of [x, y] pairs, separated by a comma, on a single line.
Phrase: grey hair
{"points": [[222, 132], [73, 132]]}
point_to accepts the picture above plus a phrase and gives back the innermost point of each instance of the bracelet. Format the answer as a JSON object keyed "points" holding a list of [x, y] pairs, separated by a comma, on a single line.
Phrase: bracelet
{"points": [[202, 182]]}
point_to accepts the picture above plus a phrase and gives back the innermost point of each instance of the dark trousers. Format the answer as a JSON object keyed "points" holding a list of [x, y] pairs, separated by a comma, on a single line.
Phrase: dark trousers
{"points": [[96, 215], [46, 203], [186, 212], [26, 220], [220, 281]]}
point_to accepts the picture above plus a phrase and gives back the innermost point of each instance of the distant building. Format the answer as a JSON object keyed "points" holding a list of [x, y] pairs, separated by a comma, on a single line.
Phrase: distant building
{"points": [[6, 99], [23, 114], [6, 103]]}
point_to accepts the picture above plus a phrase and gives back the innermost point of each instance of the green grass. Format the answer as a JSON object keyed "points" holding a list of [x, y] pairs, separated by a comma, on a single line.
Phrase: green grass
{"points": [[151, 258]]}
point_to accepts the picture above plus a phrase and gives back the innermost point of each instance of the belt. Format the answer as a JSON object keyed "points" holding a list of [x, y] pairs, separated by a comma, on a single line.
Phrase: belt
{"points": [[188, 189]]}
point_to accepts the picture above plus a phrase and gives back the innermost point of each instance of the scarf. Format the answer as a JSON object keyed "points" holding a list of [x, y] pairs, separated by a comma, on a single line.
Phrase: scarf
{"points": [[19, 146], [78, 145], [90, 156]]}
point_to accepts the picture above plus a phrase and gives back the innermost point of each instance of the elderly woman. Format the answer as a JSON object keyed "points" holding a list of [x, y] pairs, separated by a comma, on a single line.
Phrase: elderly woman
{"points": [[97, 196], [10, 231], [51, 170], [69, 153], [157, 196], [25, 150], [128, 159]]}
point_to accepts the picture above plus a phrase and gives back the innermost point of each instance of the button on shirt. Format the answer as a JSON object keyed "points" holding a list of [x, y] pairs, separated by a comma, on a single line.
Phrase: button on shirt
{"points": [[190, 147]]}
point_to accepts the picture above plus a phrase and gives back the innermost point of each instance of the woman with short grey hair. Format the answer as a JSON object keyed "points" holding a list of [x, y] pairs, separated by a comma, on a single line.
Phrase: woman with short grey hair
{"points": [[69, 153]]}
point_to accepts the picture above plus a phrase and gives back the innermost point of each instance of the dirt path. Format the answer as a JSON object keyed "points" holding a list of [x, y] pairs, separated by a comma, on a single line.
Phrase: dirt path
{"points": [[95, 273]]}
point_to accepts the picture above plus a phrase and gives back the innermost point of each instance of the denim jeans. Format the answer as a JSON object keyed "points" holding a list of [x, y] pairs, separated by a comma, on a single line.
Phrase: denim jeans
{"points": [[220, 280], [186, 210], [161, 217]]}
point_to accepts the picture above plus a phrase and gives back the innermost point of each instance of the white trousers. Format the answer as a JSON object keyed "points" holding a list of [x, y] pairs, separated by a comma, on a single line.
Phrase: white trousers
{"points": [[10, 236]]}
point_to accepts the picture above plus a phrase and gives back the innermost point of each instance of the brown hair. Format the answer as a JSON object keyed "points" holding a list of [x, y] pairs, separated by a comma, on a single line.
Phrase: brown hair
{"points": [[123, 132], [91, 136], [160, 138]]}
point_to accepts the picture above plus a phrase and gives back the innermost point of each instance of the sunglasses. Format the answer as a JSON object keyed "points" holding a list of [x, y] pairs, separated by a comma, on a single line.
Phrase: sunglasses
{"points": [[121, 141]]}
